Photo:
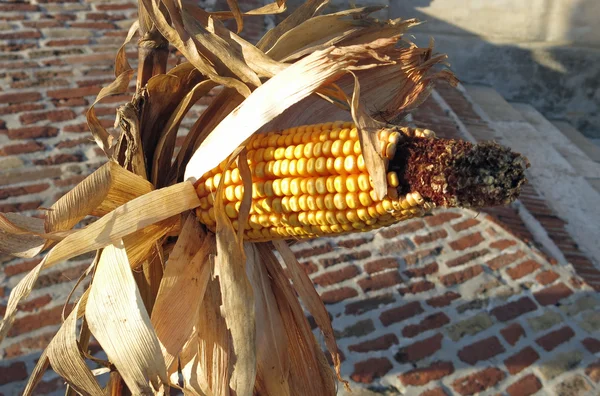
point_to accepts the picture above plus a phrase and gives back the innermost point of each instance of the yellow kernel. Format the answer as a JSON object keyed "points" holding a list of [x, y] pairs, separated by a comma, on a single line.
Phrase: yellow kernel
{"points": [[330, 184], [330, 165], [268, 186], [382, 146], [276, 205], [310, 128], [341, 217], [206, 218], [217, 180], [315, 135], [357, 150], [254, 143], [259, 155], [266, 233], [353, 133], [258, 189], [363, 214], [344, 134], [275, 219], [360, 162], [339, 200], [318, 149], [311, 218], [380, 209], [297, 138], [285, 204], [387, 205], [306, 136], [289, 152], [364, 198], [352, 216], [293, 220], [235, 176], [303, 218], [284, 166], [373, 212], [308, 150], [338, 165], [383, 134], [279, 153], [352, 183], [359, 225], [285, 186], [263, 220], [270, 169], [320, 185], [204, 203], [320, 217], [347, 227], [301, 167], [310, 167], [230, 210], [229, 193], [326, 149], [363, 182], [299, 151], [292, 168], [280, 141], [350, 164], [392, 193], [311, 202], [392, 179], [253, 221], [239, 192], [311, 187], [211, 213], [390, 150], [394, 137], [227, 177], [259, 170], [328, 199], [352, 200], [411, 200], [201, 188], [277, 189], [303, 183], [340, 184], [289, 140], [348, 147], [330, 217], [336, 228], [336, 148], [320, 201], [272, 140], [295, 187]]}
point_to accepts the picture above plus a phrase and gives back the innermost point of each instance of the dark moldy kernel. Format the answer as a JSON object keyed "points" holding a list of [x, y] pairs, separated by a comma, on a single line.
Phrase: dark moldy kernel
{"points": [[455, 173]]}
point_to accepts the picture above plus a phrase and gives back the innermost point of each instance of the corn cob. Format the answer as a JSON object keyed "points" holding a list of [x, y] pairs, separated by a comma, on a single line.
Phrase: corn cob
{"points": [[311, 181]]}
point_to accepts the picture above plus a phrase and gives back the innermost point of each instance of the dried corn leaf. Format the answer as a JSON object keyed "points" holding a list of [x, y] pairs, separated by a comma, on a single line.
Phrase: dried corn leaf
{"points": [[272, 360], [308, 9], [37, 373], [238, 299], [118, 319], [140, 243], [237, 14], [306, 290], [133, 216], [123, 74], [66, 359], [310, 372], [266, 102], [182, 289], [20, 235], [268, 9]]}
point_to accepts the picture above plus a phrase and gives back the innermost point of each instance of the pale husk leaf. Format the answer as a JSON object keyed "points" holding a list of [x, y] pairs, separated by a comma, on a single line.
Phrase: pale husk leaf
{"points": [[66, 359], [182, 288], [266, 102], [119, 321], [20, 235], [139, 245], [272, 360], [268, 9]]}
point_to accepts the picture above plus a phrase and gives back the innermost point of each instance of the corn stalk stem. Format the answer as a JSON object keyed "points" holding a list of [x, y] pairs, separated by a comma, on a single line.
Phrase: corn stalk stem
{"points": [[153, 53]]}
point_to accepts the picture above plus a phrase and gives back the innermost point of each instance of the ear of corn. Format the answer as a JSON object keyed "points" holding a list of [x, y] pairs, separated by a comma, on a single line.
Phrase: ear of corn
{"points": [[310, 181]]}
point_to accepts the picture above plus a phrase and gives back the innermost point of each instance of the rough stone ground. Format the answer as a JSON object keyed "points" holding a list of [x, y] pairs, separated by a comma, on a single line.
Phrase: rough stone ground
{"points": [[455, 303]]}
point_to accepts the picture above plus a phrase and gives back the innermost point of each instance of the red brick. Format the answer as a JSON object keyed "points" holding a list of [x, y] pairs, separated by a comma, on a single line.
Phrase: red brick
{"points": [[348, 243], [19, 206], [514, 309], [333, 277], [466, 242], [24, 266], [59, 159], [381, 264], [378, 344], [13, 373], [116, 7], [309, 267], [20, 35], [18, 108], [422, 376], [593, 371], [29, 345], [553, 294], [523, 269], [93, 25], [21, 148], [481, 350], [74, 92], [422, 272], [439, 391], [402, 228], [337, 295], [463, 225], [72, 102], [546, 277], [49, 386], [591, 344], [430, 237], [32, 132], [478, 382], [430, 322], [104, 16], [441, 218], [555, 338], [36, 303], [20, 97], [56, 277], [23, 190], [380, 281], [76, 142], [521, 360], [512, 333], [458, 277], [526, 386], [42, 25], [465, 258], [401, 313], [54, 116], [370, 369], [22, 7], [31, 322], [368, 304], [503, 244], [419, 350], [416, 287], [344, 258], [443, 300], [504, 260], [68, 42]]}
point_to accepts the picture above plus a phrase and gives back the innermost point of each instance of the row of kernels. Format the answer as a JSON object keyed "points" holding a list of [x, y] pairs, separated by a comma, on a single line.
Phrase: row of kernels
{"points": [[328, 148]]}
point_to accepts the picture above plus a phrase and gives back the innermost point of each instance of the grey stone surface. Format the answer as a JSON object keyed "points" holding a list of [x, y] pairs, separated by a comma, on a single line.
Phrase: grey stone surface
{"points": [[545, 321]]}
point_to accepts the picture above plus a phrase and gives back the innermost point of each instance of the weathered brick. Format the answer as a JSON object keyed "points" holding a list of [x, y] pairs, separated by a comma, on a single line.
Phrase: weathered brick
{"points": [[421, 256], [593, 371], [116, 7], [28, 323], [309, 267], [22, 7], [358, 329], [591, 344], [21, 148], [514, 309], [74, 92], [526, 386], [378, 344], [443, 300], [93, 25], [521, 360], [422, 376], [512, 333], [416, 287], [332, 277], [398, 246], [469, 326], [19, 206], [400, 313], [467, 242], [20, 267], [441, 218], [559, 363], [553, 294], [370, 369], [402, 228], [344, 258], [59, 159], [481, 350], [466, 224], [430, 237], [502, 244], [546, 277], [337, 295], [430, 322], [53, 116], [380, 281], [23, 190], [439, 391], [422, 272], [523, 269], [455, 278], [348, 243], [20, 35], [465, 258], [14, 372], [368, 304], [419, 350], [18, 108], [381, 264], [478, 382], [67, 42], [32, 132], [555, 338], [29, 345], [504, 260]]}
